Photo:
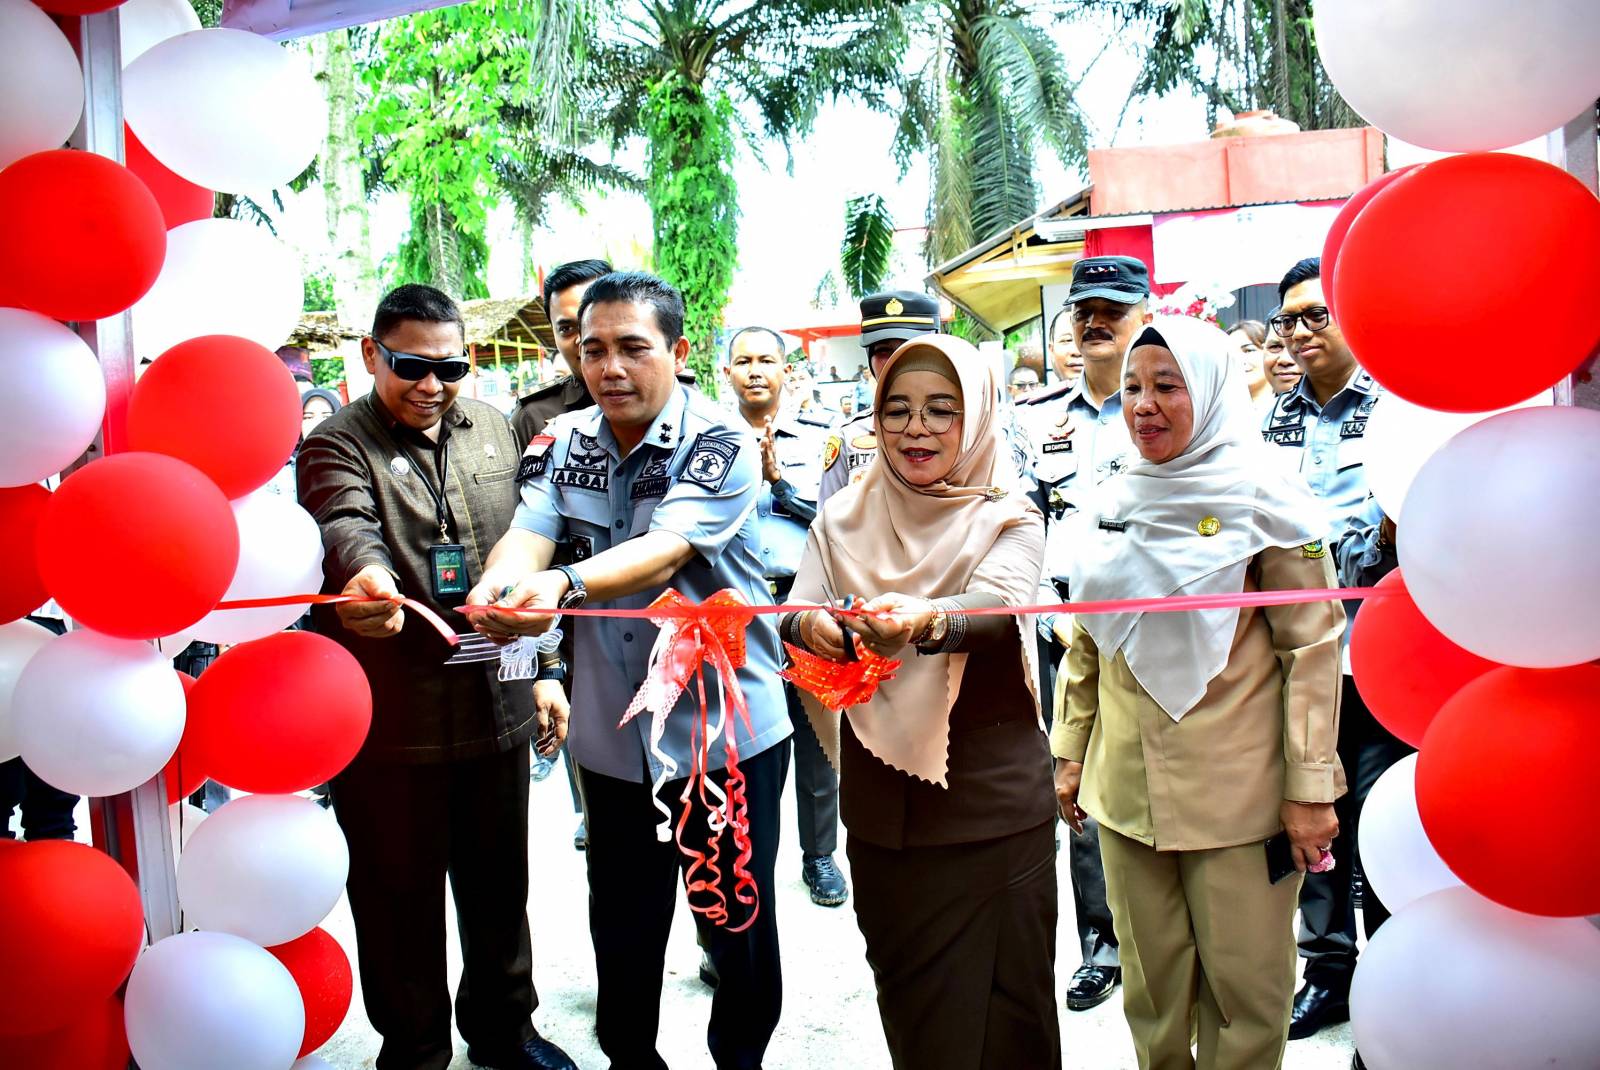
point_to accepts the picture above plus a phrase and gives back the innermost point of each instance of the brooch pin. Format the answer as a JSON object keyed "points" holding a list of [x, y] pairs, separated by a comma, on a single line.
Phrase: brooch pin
{"points": [[399, 467], [1209, 526]]}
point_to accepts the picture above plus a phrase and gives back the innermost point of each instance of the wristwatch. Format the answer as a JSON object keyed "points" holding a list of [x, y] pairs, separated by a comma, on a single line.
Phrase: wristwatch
{"points": [[556, 670], [577, 593]]}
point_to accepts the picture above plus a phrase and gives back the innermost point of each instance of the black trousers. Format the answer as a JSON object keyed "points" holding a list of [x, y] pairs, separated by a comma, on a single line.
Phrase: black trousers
{"points": [[46, 809], [816, 784], [409, 826], [633, 890], [1327, 912], [1096, 938]]}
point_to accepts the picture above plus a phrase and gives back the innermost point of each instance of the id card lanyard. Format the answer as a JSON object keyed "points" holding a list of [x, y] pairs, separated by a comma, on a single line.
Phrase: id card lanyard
{"points": [[447, 560]]}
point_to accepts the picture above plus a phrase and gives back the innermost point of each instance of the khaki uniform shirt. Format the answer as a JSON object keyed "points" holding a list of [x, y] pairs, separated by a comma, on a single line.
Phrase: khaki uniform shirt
{"points": [[545, 404], [1267, 729], [360, 476]]}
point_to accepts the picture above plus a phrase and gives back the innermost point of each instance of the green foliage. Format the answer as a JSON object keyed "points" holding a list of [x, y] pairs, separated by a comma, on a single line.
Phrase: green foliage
{"points": [[209, 11], [696, 203], [327, 371], [682, 73], [868, 244], [319, 292], [993, 92], [1239, 55]]}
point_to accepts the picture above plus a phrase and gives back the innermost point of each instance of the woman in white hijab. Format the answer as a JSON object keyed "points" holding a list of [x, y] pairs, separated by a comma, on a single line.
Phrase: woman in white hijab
{"points": [[1202, 741]]}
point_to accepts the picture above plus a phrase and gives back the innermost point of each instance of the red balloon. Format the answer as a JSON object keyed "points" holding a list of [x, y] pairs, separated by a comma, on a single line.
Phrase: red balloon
{"points": [[181, 201], [81, 238], [280, 714], [1336, 233], [184, 774], [321, 969], [138, 545], [1416, 266], [1404, 667], [70, 929], [95, 1041], [1506, 788], [21, 589], [77, 7], [226, 405]]}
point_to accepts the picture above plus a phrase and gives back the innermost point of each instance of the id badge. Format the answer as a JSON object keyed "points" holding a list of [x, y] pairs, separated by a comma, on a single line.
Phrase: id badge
{"points": [[449, 569]]}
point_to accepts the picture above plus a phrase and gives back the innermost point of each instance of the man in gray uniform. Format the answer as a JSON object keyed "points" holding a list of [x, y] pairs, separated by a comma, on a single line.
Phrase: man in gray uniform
{"points": [[791, 467], [653, 488], [1320, 428]]}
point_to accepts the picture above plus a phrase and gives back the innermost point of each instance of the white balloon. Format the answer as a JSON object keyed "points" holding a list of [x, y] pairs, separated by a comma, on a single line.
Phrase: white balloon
{"points": [[57, 392], [20, 640], [1455, 981], [228, 110], [268, 868], [146, 23], [41, 84], [221, 276], [1459, 75], [1498, 543], [200, 1001], [280, 552], [96, 715], [183, 818], [1401, 436], [1398, 861]]}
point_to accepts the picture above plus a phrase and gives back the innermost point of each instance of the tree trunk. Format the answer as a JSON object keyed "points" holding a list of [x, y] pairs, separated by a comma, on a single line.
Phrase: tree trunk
{"points": [[355, 273]]}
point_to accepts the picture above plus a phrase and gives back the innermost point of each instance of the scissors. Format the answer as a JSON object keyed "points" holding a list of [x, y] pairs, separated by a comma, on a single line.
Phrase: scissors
{"points": [[849, 636]]}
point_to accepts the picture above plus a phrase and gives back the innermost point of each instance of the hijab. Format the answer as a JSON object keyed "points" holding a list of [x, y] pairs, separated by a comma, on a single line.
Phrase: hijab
{"points": [[884, 534], [1224, 482]]}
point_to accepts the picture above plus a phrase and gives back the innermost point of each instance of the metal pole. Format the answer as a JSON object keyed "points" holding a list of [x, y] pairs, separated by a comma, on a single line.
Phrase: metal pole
{"points": [[133, 827], [1576, 150]]}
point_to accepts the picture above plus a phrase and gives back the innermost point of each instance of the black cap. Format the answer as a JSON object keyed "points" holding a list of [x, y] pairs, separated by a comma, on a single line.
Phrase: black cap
{"points": [[897, 315], [1115, 278]]}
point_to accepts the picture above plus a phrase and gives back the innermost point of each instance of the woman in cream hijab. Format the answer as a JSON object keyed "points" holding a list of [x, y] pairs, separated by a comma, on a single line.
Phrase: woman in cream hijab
{"points": [[1195, 737], [944, 781]]}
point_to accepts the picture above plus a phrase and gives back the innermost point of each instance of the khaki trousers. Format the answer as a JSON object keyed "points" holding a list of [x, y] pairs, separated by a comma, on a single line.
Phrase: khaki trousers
{"points": [[1208, 954]]}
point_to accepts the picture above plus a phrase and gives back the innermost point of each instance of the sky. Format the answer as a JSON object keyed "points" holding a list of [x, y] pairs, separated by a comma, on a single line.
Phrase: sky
{"points": [[792, 220]]}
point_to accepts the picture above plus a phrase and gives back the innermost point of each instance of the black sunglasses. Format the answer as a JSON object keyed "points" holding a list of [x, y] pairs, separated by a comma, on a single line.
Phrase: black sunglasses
{"points": [[412, 368]]}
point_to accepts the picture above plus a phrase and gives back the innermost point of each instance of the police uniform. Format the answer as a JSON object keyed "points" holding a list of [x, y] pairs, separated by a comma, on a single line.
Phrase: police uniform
{"points": [[696, 474], [567, 394], [785, 514], [895, 315], [1327, 444]]}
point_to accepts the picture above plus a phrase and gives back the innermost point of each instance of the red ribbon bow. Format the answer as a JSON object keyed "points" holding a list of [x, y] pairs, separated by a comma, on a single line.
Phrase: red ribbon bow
{"points": [[839, 684], [691, 635]]}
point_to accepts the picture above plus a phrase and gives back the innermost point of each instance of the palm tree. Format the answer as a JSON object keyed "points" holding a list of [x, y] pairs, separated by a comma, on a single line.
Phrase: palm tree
{"points": [[994, 90], [685, 75]]}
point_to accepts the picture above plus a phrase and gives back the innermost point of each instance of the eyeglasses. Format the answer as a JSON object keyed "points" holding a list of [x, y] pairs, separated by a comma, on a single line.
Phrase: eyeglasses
{"points": [[937, 418], [1315, 318], [412, 368]]}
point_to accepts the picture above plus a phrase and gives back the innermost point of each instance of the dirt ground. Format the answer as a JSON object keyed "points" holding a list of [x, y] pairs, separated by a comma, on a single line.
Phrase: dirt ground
{"points": [[830, 1018]]}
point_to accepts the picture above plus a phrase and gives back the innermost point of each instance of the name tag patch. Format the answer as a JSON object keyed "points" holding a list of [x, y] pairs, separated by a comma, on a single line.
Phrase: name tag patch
{"points": [[1295, 437], [652, 482], [1061, 446], [710, 461], [1353, 428]]}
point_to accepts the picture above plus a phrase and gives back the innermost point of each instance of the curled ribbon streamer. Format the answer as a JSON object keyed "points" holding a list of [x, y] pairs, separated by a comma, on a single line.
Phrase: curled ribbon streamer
{"points": [[691, 636]]}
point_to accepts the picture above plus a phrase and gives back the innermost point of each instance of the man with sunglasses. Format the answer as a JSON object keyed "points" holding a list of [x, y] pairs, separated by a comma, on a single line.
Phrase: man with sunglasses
{"points": [[1323, 419], [411, 487]]}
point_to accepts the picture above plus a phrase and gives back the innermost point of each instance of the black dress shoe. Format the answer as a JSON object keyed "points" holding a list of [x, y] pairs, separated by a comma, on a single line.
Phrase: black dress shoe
{"points": [[1316, 1007], [708, 972], [536, 1054], [1092, 985], [824, 880], [1356, 1062]]}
